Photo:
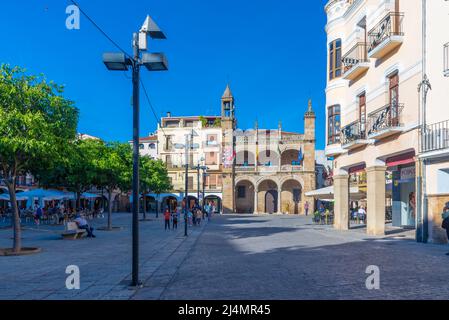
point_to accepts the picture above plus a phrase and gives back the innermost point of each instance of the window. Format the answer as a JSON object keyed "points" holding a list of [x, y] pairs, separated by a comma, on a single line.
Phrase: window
{"points": [[190, 183], [394, 99], [211, 158], [297, 195], [211, 139], [168, 143], [335, 59], [362, 112], [152, 146], [141, 146], [241, 192], [333, 123]]}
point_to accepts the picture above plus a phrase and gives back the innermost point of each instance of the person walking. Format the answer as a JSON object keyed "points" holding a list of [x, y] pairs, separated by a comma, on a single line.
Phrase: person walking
{"points": [[445, 224], [175, 220], [362, 214], [209, 213], [167, 216], [198, 216], [306, 208]]}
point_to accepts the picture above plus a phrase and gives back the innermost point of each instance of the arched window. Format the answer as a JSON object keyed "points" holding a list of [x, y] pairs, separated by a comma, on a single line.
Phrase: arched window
{"points": [[152, 146], [335, 59]]}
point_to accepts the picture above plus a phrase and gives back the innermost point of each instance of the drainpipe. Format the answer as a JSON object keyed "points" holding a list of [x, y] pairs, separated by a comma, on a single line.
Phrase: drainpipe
{"points": [[424, 87]]}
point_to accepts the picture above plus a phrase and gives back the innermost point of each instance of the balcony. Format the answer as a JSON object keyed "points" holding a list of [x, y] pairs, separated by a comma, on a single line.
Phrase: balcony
{"points": [[211, 144], [333, 148], [436, 137], [386, 36], [446, 60], [353, 136], [355, 62], [245, 168], [385, 121], [291, 168]]}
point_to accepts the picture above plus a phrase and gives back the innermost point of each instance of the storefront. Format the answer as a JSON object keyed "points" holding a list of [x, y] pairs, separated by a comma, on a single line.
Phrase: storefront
{"points": [[403, 173]]}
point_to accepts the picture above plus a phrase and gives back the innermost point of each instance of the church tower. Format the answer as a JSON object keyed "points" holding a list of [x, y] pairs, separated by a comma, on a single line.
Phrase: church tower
{"points": [[228, 126], [309, 152]]}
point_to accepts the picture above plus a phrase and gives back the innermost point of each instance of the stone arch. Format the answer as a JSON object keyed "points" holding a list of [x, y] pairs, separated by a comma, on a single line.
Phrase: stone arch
{"points": [[270, 156], [245, 158], [291, 196], [268, 195], [290, 157], [245, 191]]}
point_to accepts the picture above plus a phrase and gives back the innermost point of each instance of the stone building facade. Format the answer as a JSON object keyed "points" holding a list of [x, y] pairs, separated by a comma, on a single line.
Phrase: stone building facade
{"points": [[274, 169]]}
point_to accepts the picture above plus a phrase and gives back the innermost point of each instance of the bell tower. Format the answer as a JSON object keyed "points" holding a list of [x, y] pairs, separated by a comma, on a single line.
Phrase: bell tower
{"points": [[228, 126]]}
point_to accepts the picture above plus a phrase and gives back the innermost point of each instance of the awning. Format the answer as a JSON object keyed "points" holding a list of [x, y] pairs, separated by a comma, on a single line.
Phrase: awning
{"points": [[5, 197], [328, 193]]}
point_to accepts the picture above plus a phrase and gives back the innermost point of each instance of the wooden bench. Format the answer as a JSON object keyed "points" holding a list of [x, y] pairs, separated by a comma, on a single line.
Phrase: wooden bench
{"points": [[72, 232]]}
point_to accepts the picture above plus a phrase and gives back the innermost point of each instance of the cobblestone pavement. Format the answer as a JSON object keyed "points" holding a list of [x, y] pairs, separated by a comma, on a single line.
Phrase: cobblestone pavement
{"points": [[232, 257]]}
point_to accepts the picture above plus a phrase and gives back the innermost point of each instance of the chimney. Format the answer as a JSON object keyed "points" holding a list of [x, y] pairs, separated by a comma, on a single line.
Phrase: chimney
{"points": [[168, 114]]}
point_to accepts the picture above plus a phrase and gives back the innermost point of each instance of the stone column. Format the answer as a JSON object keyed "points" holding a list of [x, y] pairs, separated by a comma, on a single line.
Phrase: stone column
{"points": [[376, 200], [341, 205], [256, 202], [279, 201]]}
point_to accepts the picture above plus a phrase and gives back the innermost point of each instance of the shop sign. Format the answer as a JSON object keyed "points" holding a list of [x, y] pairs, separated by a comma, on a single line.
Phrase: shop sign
{"points": [[408, 173]]}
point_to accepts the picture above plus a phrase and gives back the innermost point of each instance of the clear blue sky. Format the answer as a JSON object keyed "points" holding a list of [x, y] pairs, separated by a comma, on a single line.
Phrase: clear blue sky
{"points": [[273, 53]]}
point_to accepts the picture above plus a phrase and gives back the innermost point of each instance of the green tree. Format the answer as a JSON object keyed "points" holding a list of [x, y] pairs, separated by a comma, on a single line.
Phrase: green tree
{"points": [[114, 171], [37, 122], [77, 169], [153, 178]]}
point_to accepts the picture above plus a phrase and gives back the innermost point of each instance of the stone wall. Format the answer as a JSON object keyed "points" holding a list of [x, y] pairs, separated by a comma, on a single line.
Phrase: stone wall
{"points": [[436, 205]]}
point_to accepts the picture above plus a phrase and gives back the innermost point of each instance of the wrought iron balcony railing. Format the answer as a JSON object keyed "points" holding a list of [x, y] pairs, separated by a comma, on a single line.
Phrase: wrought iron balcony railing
{"points": [[353, 132], [358, 54], [388, 117], [390, 25], [435, 137], [446, 60]]}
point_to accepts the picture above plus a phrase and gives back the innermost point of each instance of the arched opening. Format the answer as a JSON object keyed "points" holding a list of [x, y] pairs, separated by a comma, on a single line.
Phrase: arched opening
{"points": [[290, 158], [268, 197], [149, 202], [245, 159], [192, 201], [268, 158], [244, 197], [215, 201], [169, 202], [291, 196]]}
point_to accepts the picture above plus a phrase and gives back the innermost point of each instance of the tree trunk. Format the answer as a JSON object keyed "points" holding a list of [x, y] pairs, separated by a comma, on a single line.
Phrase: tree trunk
{"points": [[17, 245], [144, 207], [110, 210], [157, 207]]}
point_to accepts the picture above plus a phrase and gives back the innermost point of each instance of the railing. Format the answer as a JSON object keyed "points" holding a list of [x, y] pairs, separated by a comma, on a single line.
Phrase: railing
{"points": [[435, 137], [446, 60], [353, 132], [357, 54], [245, 168], [390, 25], [210, 144], [387, 117], [291, 168]]}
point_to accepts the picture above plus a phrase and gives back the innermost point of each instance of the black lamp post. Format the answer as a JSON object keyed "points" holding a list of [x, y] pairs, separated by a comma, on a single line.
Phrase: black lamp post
{"points": [[153, 62]]}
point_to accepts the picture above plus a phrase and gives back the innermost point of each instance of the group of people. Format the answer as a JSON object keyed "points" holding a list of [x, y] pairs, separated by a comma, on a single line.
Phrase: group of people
{"points": [[194, 215]]}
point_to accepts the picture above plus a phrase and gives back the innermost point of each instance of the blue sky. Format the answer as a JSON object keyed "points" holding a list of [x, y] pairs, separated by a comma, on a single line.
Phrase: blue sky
{"points": [[272, 52]]}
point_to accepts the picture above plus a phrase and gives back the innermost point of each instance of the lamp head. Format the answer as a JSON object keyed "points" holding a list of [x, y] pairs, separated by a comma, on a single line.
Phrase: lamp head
{"points": [[151, 28], [155, 61]]}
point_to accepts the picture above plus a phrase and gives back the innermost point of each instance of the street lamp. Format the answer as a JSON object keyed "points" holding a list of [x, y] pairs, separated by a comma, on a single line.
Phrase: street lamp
{"points": [[153, 62], [187, 145]]}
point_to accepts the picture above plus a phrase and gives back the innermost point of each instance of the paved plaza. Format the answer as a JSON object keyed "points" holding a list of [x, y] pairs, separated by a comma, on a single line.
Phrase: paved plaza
{"points": [[231, 257]]}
